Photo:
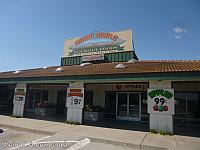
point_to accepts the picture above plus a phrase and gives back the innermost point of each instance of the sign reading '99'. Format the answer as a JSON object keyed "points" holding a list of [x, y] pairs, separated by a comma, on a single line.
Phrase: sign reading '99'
{"points": [[19, 99], [161, 101], [20, 95], [75, 97]]}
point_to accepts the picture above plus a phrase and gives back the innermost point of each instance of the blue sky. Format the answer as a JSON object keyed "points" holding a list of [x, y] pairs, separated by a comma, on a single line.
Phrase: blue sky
{"points": [[32, 32]]}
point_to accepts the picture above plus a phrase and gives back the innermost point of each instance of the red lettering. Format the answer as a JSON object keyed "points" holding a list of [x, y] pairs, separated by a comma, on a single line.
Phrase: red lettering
{"points": [[98, 35], [83, 39]]}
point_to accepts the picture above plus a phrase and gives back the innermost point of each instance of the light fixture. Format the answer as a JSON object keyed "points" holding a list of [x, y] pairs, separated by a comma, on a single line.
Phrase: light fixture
{"points": [[120, 66], [17, 71], [132, 61], [85, 64], [59, 69]]}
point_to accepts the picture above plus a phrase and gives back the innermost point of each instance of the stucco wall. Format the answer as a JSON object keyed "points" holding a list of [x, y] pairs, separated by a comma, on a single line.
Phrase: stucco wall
{"points": [[98, 93]]}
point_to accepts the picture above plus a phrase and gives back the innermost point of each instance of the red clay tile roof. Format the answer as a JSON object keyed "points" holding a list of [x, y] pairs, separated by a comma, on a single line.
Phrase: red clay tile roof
{"points": [[142, 66]]}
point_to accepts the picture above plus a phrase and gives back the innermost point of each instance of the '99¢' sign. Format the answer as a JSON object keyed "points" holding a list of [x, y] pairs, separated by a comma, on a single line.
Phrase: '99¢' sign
{"points": [[159, 104]]}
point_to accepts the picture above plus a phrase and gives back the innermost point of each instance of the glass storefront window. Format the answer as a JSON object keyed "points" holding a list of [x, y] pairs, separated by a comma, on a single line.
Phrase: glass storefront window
{"points": [[88, 98], [6, 100], [35, 97], [134, 105], [187, 106], [110, 104], [122, 104]]}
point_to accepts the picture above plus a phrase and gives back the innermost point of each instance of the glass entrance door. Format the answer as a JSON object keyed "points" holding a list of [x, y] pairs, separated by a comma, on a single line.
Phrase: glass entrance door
{"points": [[122, 104], [134, 105], [129, 106], [110, 105]]}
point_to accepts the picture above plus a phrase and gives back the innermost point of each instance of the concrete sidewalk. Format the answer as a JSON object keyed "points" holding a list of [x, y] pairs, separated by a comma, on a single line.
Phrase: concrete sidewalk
{"points": [[135, 139]]}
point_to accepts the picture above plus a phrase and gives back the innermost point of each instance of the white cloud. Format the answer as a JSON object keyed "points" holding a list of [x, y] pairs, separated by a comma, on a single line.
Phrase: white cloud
{"points": [[177, 37], [179, 30]]}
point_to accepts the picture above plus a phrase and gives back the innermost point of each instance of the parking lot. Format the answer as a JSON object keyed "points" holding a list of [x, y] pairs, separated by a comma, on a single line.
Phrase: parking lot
{"points": [[15, 139], [11, 139]]}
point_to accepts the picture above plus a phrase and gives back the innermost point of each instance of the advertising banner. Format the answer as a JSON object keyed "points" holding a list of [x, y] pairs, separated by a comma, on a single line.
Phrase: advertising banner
{"points": [[161, 101], [93, 57], [99, 43]]}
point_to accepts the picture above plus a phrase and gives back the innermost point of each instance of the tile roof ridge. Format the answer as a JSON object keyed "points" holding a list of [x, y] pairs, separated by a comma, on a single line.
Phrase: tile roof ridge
{"points": [[29, 69], [39, 68], [180, 60]]}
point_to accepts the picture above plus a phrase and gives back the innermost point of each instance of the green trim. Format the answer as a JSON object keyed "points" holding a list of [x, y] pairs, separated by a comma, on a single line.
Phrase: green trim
{"points": [[107, 78], [109, 57]]}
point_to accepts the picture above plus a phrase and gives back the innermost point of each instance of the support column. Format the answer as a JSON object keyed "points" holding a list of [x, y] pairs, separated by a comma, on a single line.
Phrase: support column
{"points": [[19, 99], [75, 102], [161, 105]]}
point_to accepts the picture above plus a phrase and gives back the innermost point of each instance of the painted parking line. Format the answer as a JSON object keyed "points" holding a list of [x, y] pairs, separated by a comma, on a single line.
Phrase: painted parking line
{"points": [[29, 143], [79, 144], [76, 146]]}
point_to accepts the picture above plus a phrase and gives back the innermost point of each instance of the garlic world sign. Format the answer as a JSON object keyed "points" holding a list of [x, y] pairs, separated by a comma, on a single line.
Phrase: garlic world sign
{"points": [[161, 101], [97, 43]]}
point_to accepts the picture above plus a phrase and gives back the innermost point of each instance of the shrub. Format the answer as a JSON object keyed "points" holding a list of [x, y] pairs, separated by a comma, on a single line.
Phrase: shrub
{"points": [[13, 116], [165, 133], [169, 133], [162, 132], [72, 122], [76, 123], [153, 131]]}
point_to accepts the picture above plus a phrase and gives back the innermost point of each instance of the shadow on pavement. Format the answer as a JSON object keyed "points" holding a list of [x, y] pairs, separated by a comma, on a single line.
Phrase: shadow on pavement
{"points": [[184, 130], [120, 124], [55, 118], [192, 131]]}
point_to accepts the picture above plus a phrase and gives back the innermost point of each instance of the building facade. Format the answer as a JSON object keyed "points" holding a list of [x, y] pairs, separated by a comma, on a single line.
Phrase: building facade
{"points": [[101, 77]]}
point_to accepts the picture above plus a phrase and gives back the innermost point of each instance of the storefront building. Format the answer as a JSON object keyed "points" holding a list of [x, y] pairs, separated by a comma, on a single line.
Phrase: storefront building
{"points": [[101, 77]]}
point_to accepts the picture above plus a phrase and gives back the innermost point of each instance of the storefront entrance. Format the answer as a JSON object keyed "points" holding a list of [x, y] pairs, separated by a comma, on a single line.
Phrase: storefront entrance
{"points": [[126, 106]]}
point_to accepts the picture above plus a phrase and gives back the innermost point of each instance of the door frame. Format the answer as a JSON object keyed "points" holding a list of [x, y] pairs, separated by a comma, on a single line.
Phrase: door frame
{"points": [[127, 117]]}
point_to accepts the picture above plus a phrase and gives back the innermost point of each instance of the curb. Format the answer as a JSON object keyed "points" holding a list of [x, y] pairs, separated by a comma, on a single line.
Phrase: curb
{"points": [[28, 130], [135, 146]]}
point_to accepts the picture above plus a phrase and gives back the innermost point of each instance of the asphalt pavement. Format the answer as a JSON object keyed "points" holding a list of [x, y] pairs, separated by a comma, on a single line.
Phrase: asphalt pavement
{"points": [[12, 139], [25, 133]]}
